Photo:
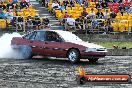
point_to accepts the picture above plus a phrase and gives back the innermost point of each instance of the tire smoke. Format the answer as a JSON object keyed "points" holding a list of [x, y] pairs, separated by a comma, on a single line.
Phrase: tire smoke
{"points": [[6, 51]]}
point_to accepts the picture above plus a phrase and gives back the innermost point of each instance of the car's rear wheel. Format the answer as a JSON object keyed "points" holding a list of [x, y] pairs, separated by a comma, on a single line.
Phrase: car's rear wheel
{"points": [[25, 52], [74, 56], [93, 60]]}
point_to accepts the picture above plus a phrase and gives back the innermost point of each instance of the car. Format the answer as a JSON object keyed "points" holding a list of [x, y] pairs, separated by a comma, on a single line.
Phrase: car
{"points": [[60, 44]]}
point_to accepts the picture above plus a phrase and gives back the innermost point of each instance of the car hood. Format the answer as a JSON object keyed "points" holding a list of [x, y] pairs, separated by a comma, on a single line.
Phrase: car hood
{"points": [[87, 44]]}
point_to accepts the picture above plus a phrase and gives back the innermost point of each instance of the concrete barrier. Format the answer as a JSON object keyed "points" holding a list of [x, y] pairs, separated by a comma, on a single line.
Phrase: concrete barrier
{"points": [[106, 37], [119, 52]]}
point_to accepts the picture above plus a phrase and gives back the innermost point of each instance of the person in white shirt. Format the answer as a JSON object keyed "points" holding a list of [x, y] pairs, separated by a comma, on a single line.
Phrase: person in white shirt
{"points": [[55, 5], [106, 14], [92, 13], [70, 23]]}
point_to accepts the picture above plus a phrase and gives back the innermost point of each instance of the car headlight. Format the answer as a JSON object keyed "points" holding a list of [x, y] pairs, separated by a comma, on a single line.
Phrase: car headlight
{"points": [[90, 50]]}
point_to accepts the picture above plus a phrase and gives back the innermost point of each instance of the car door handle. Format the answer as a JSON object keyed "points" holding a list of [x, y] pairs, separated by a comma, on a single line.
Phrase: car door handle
{"points": [[31, 41], [46, 42]]}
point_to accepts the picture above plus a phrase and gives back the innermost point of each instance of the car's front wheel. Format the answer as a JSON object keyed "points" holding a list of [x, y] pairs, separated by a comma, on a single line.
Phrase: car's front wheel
{"points": [[93, 60], [74, 56]]}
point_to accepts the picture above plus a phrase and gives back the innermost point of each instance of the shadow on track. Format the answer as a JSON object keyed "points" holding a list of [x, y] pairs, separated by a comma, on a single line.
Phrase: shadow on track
{"points": [[62, 61]]}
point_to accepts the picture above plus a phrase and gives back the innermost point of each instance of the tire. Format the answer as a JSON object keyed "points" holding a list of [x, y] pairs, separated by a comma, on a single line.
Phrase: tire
{"points": [[73, 56], [81, 80], [93, 60], [25, 52]]}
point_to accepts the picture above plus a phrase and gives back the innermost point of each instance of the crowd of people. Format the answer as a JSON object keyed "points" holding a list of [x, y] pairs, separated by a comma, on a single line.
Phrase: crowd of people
{"points": [[18, 15], [93, 14]]}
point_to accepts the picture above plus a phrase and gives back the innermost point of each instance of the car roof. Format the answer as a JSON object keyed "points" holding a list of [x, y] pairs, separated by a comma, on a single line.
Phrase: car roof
{"points": [[49, 30]]}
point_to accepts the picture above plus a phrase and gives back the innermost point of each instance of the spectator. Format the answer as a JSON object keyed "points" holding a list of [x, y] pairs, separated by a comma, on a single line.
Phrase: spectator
{"points": [[70, 22], [66, 15], [34, 24], [2, 6], [43, 2], [24, 4], [108, 25], [98, 5], [107, 1], [18, 7], [29, 22], [20, 23], [92, 13], [79, 22], [72, 3], [9, 15], [113, 15], [15, 1], [120, 1], [130, 9], [99, 14], [37, 22], [80, 2], [116, 1], [55, 5], [86, 3], [9, 6], [13, 23], [111, 1], [122, 11], [84, 13], [104, 4], [127, 8], [106, 14], [65, 3], [45, 22], [2, 14], [62, 7], [122, 7]]}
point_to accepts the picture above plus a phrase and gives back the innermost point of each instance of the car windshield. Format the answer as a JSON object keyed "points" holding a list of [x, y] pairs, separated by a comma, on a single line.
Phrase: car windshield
{"points": [[68, 36]]}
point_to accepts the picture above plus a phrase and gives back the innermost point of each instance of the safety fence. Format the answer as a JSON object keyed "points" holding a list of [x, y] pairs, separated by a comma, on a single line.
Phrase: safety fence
{"points": [[24, 24], [100, 25]]}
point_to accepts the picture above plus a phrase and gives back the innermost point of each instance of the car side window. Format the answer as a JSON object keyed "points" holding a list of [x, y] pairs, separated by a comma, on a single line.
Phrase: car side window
{"points": [[40, 35], [52, 36], [30, 35]]}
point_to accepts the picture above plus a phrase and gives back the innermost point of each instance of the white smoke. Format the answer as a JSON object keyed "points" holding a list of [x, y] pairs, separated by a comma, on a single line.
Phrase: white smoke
{"points": [[6, 51]]}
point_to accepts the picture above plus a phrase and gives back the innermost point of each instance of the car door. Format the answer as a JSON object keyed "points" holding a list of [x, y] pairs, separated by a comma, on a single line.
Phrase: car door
{"points": [[36, 41], [54, 44]]}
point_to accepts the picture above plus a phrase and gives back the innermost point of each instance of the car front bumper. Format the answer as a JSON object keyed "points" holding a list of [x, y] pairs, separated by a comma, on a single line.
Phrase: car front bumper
{"points": [[86, 55]]}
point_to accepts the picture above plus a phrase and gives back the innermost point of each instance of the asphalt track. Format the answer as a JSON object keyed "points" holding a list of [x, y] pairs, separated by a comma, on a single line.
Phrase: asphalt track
{"points": [[59, 73]]}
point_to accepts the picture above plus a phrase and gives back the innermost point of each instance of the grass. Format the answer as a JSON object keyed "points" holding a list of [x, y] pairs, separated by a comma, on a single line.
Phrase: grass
{"points": [[119, 44]]}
